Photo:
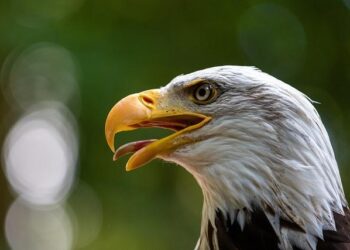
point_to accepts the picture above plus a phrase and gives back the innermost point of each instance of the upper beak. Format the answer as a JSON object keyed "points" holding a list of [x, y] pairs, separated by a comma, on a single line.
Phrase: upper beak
{"points": [[143, 110], [129, 112]]}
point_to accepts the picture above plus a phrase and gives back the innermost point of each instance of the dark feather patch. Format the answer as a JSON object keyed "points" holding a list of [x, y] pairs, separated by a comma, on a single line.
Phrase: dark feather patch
{"points": [[259, 234], [339, 239]]}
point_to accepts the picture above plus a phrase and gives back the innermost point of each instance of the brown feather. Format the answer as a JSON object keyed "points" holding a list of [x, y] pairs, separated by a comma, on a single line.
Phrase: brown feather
{"points": [[339, 239], [259, 234]]}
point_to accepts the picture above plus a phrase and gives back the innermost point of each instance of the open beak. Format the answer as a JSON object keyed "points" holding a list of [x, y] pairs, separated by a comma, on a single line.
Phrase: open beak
{"points": [[142, 110]]}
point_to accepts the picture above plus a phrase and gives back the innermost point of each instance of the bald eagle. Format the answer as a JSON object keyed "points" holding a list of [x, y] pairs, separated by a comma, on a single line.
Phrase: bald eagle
{"points": [[258, 150]]}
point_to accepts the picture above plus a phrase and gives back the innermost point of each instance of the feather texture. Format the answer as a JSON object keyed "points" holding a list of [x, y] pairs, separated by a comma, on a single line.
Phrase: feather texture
{"points": [[265, 162], [259, 233]]}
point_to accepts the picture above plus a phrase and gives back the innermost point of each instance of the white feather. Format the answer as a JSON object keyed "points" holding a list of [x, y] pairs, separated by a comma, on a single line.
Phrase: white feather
{"points": [[246, 160]]}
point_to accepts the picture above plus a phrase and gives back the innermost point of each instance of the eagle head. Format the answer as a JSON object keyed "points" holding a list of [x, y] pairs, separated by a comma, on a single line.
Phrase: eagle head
{"points": [[252, 142]]}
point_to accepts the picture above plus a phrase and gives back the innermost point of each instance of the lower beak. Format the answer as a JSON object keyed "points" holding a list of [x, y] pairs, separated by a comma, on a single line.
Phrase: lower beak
{"points": [[143, 110]]}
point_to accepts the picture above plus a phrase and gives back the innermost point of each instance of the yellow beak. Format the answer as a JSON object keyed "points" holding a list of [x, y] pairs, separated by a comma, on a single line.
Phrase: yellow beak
{"points": [[143, 110]]}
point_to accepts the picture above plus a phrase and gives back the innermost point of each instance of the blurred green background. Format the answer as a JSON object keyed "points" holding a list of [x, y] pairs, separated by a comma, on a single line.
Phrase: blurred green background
{"points": [[76, 58]]}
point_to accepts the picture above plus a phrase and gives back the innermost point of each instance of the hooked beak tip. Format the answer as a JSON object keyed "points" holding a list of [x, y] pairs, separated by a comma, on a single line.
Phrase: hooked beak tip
{"points": [[110, 140]]}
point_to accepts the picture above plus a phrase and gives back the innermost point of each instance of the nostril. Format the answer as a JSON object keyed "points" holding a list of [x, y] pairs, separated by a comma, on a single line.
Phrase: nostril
{"points": [[148, 101]]}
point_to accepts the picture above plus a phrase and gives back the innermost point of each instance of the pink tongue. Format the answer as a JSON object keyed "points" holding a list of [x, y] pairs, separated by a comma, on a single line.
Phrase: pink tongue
{"points": [[131, 147]]}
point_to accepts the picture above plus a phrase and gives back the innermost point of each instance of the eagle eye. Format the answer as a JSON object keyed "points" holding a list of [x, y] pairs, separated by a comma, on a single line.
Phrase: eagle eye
{"points": [[204, 93]]}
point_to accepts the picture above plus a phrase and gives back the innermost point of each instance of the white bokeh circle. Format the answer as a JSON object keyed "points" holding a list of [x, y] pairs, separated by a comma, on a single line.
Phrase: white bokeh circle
{"points": [[40, 154]]}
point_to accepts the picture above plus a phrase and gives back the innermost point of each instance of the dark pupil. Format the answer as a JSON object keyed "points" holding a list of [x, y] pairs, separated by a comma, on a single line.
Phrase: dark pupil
{"points": [[202, 91]]}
